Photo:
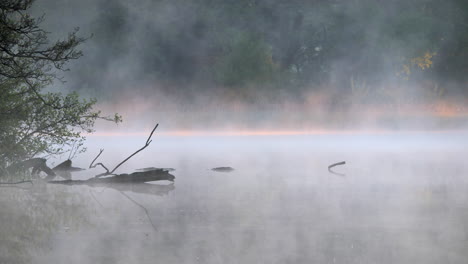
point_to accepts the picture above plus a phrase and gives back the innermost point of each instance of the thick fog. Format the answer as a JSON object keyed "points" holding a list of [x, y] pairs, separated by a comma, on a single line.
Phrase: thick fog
{"points": [[255, 99], [398, 199], [208, 65]]}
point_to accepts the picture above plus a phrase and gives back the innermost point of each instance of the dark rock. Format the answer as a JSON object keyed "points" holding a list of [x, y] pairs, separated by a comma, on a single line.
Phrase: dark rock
{"points": [[222, 169]]}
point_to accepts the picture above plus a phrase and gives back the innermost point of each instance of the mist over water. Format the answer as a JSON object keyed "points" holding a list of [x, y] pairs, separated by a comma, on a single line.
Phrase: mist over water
{"points": [[278, 91], [267, 64], [402, 200]]}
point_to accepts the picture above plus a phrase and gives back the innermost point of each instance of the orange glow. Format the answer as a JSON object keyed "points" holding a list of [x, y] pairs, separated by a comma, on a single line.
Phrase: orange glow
{"points": [[188, 133], [444, 109], [191, 133], [317, 114]]}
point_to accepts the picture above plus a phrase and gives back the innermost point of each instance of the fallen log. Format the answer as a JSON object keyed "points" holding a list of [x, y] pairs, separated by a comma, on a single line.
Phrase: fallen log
{"points": [[66, 166], [222, 169], [37, 165], [154, 168], [107, 173], [136, 177]]}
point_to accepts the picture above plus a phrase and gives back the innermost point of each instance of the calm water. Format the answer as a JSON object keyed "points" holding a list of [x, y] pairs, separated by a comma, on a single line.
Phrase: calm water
{"points": [[403, 199]]}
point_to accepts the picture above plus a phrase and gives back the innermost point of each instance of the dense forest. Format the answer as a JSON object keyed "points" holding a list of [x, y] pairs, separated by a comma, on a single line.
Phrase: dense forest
{"points": [[258, 52], [288, 46]]}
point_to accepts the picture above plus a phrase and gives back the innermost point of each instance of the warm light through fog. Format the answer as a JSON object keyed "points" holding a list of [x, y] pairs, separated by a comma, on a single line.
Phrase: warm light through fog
{"points": [[237, 133]]}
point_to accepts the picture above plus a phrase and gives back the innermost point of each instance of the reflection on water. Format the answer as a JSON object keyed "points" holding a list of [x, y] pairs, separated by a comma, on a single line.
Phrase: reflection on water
{"points": [[66, 175], [30, 216], [400, 202]]}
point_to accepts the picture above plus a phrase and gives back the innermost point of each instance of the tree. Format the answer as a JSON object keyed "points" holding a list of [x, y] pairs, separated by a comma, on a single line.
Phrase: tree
{"points": [[32, 120]]}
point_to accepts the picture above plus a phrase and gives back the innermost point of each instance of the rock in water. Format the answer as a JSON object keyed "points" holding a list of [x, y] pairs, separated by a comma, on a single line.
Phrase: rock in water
{"points": [[66, 166], [222, 169]]}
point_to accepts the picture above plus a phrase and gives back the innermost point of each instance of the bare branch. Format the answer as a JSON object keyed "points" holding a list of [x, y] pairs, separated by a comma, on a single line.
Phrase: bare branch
{"points": [[91, 165], [148, 141], [71, 150], [336, 164], [102, 174]]}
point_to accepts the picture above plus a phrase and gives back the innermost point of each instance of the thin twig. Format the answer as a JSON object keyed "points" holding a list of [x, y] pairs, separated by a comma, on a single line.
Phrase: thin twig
{"points": [[91, 165], [76, 150], [337, 164], [71, 150], [148, 141], [102, 165]]}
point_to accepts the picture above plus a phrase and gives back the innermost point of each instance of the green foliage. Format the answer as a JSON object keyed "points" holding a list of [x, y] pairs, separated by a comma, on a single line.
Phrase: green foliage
{"points": [[248, 59], [237, 43], [34, 122]]}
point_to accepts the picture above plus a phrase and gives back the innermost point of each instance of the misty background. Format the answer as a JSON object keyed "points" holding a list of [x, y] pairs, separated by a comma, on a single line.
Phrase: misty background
{"points": [[269, 64], [200, 67]]}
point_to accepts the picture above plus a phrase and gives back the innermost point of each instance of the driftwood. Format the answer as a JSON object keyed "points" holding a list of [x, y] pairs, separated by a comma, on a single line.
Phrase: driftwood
{"points": [[136, 177], [64, 170], [148, 142], [100, 164], [37, 165], [135, 182], [154, 168], [222, 169], [66, 166], [334, 165]]}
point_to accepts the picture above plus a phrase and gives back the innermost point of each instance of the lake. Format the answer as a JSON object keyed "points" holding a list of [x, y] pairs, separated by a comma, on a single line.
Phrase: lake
{"points": [[400, 198]]}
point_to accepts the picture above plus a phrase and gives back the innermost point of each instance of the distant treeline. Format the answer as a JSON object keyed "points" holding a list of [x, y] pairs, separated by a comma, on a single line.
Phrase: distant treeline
{"points": [[297, 44]]}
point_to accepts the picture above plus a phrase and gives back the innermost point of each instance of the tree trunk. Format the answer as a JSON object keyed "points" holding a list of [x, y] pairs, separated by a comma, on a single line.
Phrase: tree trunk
{"points": [[37, 165]]}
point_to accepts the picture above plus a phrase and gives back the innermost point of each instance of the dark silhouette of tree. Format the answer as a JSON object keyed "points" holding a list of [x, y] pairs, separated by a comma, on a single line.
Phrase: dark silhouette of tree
{"points": [[33, 121]]}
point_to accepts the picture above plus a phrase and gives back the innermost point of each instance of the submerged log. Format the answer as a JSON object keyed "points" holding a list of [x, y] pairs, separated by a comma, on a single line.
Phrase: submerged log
{"points": [[334, 165], [136, 177], [222, 169], [154, 168]]}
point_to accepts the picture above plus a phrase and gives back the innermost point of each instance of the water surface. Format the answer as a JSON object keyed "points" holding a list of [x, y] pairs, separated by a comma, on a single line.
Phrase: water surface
{"points": [[403, 199]]}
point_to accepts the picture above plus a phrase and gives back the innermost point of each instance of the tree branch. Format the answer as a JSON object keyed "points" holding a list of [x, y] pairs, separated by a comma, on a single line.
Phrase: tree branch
{"points": [[91, 165], [334, 165], [102, 165], [148, 141]]}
